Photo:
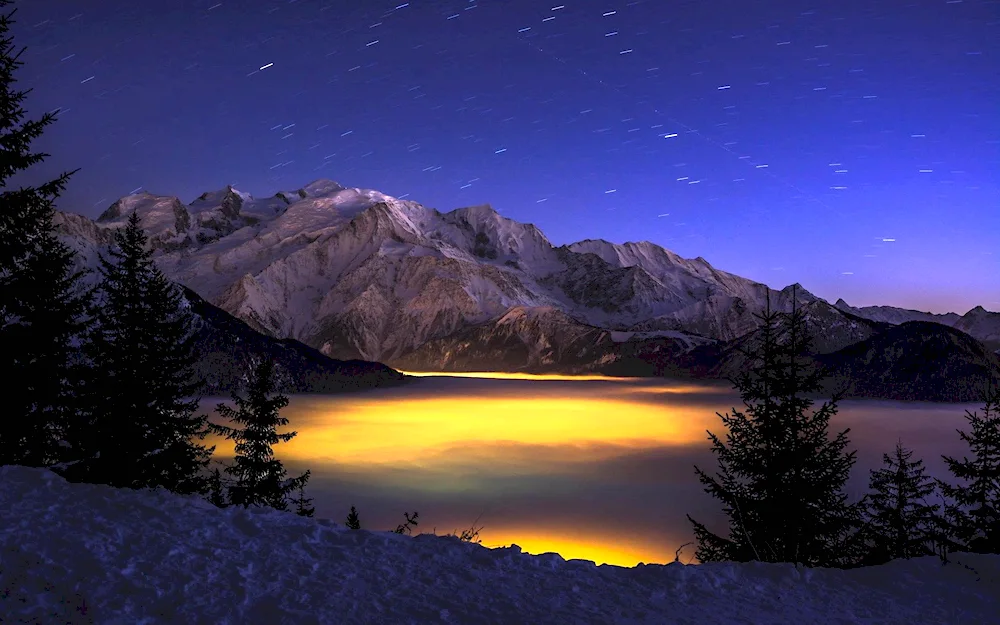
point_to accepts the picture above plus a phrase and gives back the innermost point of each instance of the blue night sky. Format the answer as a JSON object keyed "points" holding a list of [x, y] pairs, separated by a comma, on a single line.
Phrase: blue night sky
{"points": [[782, 141]]}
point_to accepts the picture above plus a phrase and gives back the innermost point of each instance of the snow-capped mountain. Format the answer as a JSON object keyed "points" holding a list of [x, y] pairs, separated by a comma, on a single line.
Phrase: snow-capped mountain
{"points": [[223, 343], [359, 274], [896, 316], [982, 324]]}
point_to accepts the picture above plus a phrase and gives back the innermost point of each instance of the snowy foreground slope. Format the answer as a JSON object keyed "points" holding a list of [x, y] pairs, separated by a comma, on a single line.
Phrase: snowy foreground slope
{"points": [[154, 557]]}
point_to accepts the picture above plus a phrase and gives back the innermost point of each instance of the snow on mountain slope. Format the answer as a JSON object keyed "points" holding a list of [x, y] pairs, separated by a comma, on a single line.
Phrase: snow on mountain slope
{"points": [[227, 201], [536, 340], [335, 264], [982, 324], [685, 278], [896, 316], [979, 323], [166, 218], [85, 553], [651, 288], [497, 238], [223, 342], [360, 274]]}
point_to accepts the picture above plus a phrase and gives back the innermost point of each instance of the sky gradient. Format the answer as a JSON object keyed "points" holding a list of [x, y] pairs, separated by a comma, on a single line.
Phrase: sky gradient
{"points": [[853, 147]]}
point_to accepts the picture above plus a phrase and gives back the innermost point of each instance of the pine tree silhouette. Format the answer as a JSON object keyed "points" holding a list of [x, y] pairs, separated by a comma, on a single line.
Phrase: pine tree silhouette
{"points": [[353, 522], [144, 426], [217, 492], [259, 477], [975, 511], [780, 477], [899, 522], [42, 300], [302, 507]]}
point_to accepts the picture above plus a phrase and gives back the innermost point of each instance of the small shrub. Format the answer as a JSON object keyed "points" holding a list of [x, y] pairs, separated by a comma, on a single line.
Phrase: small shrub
{"points": [[353, 522], [407, 528]]}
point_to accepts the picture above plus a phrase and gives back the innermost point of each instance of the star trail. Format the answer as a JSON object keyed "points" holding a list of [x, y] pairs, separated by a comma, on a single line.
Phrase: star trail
{"points": [[853, 147]]}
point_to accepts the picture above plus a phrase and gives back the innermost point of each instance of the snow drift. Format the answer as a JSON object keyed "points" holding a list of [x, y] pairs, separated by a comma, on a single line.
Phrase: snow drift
{"points": [[80, 553]]}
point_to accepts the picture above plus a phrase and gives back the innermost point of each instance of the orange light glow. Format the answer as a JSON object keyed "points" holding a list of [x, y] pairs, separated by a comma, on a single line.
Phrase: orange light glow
{"points": [[365, 431], [615, 550], [601, 471], [451, 441], [501, 375]]}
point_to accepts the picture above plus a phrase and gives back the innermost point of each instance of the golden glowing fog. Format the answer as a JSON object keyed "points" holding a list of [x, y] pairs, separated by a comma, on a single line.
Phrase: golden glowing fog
{"points": [[595, 468]]}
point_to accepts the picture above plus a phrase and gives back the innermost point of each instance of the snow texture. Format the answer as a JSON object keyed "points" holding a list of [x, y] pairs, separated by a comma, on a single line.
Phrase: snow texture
{"points": [[155, 557], [896, 316]]}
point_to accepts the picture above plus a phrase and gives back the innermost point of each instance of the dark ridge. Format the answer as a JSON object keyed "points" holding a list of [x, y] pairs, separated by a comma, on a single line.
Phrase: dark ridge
{"points": [[223, 342], [916, 360]]}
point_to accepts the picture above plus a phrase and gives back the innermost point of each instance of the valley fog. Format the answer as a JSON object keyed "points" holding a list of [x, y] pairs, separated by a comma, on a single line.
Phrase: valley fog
{"points": [[596, 468]]}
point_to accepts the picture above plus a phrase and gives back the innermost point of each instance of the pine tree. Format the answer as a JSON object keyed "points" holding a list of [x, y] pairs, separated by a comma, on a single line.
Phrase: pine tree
{"points": [[302, 503], [41, 332], [259, 477], [899, 523], [217, 493], [975, 511], [42, 301], [781, 478], [353, 522], [144, 426]]}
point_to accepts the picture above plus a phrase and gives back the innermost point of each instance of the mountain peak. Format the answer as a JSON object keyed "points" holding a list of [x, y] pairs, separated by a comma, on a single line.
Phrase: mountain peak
{"points": [[322, 186], [229, 200], [799, 290], [801, 293], [478, 213], [493, 236], [144, 201]]}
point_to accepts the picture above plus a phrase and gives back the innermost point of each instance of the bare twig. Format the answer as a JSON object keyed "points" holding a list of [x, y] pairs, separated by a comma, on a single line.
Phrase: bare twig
{"points": [[677, 554], [744, 526]]}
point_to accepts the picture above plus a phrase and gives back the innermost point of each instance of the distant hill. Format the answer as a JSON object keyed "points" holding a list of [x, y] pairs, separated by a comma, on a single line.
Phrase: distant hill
{"points": [[916, 360], [982, 324]]}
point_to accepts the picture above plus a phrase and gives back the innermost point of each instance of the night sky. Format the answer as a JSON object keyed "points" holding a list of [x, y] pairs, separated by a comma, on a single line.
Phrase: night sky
{"points": [[852, 146]]}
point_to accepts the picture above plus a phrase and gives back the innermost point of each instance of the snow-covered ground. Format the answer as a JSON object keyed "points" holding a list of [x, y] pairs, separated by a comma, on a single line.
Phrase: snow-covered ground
{"points": [[78, 553]]}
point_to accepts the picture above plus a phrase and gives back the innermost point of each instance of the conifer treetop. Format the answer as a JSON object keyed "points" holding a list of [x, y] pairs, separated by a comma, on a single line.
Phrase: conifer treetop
{"points": [[780, 478], [17, 135]]}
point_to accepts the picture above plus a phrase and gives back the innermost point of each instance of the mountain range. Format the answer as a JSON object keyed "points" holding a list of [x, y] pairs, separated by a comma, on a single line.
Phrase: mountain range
{"points": [[359, 275], [224, 343]]}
